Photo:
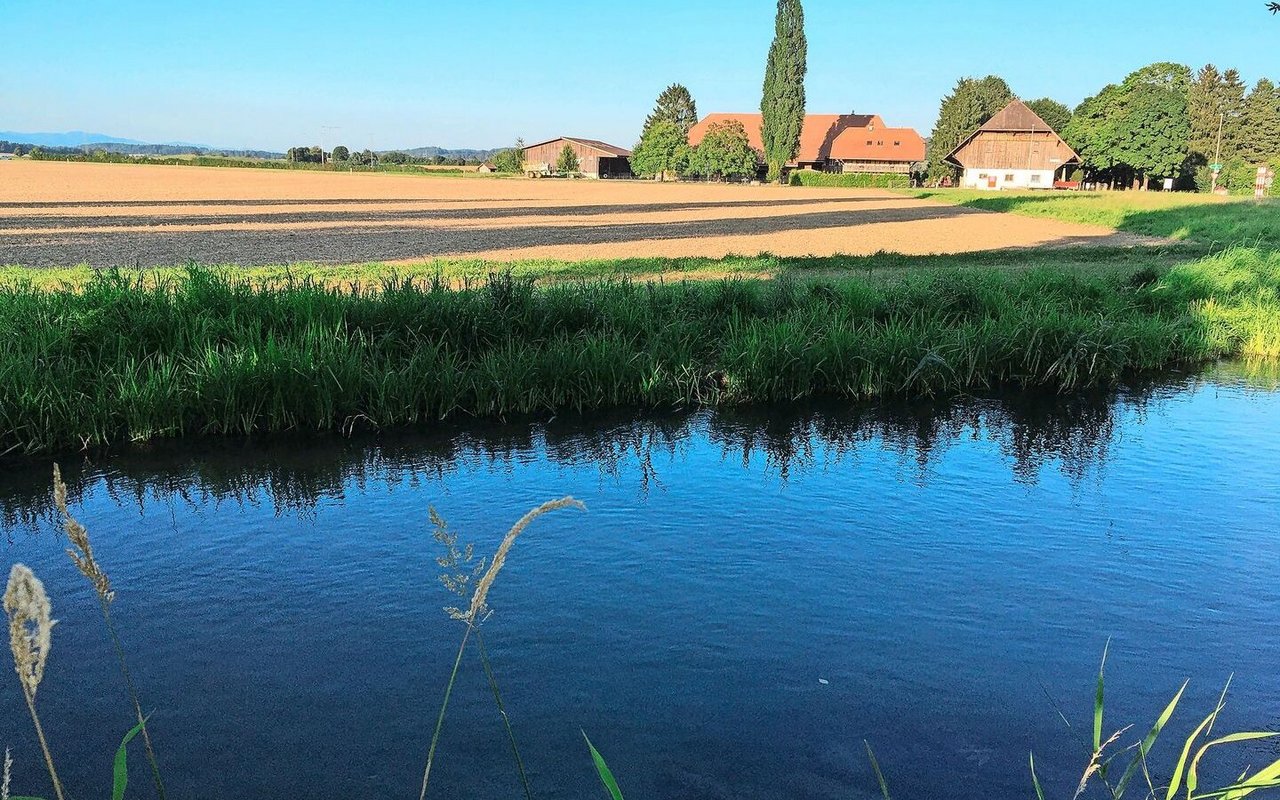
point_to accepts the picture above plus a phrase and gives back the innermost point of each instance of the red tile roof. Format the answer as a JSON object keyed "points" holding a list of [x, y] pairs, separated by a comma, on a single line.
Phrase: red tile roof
{"points": [[852, 137]]}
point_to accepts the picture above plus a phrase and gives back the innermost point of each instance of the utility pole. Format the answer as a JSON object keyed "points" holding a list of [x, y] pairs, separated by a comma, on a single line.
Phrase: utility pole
{"points": [[1217, 158]]}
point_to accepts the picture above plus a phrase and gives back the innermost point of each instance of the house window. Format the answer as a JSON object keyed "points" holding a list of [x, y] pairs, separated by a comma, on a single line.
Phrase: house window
{"points": [[880, 143], [869, 143], [1008, 178], [897, 144], [982, 176], [1035, 178]]}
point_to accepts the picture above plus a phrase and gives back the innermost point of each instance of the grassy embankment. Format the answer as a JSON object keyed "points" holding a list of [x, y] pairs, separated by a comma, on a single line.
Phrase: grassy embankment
{"points": [[1202, 220], [118, 358]]}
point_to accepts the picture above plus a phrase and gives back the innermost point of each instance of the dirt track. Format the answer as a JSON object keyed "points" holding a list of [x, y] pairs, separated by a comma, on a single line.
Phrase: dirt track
{"points": [[55, 214]]}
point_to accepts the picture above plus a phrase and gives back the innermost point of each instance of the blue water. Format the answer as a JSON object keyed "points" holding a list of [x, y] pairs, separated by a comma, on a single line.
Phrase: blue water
{"points": [[749, 597]]}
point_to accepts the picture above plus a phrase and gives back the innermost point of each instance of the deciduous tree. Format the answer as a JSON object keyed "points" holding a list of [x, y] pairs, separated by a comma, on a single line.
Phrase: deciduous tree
{"points": [[340, 153], [783, 103], [510, 160], [663, 150], [725, 152]]}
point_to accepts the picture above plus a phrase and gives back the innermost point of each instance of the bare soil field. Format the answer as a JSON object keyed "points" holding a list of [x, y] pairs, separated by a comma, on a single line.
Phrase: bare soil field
{"points": [[60, 214]]}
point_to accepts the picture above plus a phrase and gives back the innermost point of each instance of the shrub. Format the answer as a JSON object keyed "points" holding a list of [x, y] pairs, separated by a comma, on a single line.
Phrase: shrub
{"points": [[855, 180]]}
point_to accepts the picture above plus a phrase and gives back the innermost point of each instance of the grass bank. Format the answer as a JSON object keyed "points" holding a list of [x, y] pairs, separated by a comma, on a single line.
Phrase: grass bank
{"points": [[879, 268], [1198, 218], [121, 358]]}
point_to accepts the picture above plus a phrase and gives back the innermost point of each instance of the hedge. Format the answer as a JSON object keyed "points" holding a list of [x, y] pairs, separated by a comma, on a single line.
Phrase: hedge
{"points": [[853, 180]]}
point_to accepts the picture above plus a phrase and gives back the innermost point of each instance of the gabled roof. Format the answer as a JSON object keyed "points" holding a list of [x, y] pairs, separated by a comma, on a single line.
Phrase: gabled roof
{"points": [[594, 144], [861, 137], [1017, 117]]}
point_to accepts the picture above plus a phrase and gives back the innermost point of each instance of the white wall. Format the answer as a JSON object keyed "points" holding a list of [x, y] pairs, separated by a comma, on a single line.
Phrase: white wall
{"points": [[1007, 178]]}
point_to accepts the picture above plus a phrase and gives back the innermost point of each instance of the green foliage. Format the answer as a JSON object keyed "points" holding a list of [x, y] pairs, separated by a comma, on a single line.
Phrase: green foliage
{"points": [[783, 102], [724, 153], [511, 160], [674, 105], [602, 769], [1261, 123], [970, 105], [341, 153], [1154, 117], [567, 161], [1215, 100], [662, 150], [853, 180], [1137, 130], [119, 359], [1055, 114]]}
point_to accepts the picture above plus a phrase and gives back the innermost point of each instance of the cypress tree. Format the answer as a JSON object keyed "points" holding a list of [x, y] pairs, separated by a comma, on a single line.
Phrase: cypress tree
{"points": [[782, 106]]}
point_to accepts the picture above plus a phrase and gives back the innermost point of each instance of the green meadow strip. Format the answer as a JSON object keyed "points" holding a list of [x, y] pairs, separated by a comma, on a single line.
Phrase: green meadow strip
{"points": [[126, 356]]}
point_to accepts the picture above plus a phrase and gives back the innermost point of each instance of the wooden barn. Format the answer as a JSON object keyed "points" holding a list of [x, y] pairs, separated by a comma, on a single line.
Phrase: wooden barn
{"points": [[836, 142], [596, 159], [1014, 150]]}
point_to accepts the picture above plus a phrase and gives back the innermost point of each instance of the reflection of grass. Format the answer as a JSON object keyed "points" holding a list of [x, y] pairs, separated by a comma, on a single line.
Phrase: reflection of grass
{"points": [[118, 360], [1203, 219]]}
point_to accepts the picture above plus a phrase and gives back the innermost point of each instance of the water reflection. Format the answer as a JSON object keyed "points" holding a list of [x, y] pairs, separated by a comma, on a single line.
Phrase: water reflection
{"points": [[1072, 433]]}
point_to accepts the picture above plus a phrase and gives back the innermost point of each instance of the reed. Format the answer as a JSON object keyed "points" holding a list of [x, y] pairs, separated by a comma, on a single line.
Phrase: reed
{"points": [[477, 611], [81, 553], [122, 359], [30, 637]]}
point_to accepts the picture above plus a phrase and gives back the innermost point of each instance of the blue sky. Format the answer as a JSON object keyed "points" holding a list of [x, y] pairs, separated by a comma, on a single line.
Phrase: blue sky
{"points": [[405, 74]]}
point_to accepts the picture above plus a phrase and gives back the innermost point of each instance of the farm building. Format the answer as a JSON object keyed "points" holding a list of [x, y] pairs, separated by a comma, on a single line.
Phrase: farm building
{"points": [[837, 142], [596, 159], [1014, 150]]}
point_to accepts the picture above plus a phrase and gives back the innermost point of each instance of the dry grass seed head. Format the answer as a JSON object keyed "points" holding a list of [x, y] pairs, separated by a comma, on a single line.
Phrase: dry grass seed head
{"points": [[8, 771], [81, 551], [30, 626], [478, 609]]}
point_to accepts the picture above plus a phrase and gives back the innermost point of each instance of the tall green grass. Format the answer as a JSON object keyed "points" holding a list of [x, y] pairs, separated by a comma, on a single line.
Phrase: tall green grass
{"points": [[122, 358]]}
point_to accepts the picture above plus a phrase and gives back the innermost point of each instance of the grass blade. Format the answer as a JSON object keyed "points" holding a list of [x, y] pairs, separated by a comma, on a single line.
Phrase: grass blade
{"points": [[1034, 780], [120, 767], [602, 769], [1149, 740], [1097, 701], [875, 766]]}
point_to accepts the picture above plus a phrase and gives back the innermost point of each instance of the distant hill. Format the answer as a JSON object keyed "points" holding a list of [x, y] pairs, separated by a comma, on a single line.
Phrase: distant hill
{"points": [[65, 139], [176, 150], [432, 152]]}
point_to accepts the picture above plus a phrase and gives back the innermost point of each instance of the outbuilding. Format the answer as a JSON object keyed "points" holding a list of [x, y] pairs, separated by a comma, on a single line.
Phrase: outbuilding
{"points": [[1015, 149], [596, 159]]}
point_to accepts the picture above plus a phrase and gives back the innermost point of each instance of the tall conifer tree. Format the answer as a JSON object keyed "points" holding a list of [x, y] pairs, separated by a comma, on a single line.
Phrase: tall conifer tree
{"points": [[782, 106]]}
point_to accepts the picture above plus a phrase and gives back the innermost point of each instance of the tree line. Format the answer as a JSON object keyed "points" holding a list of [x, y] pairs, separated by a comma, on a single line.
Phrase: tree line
{"points": [[1163, 121]]}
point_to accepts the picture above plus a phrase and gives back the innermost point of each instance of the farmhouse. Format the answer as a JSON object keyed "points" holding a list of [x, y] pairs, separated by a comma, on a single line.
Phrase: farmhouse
{"points": [[1014, 150], [596, 159], [836, 142]]}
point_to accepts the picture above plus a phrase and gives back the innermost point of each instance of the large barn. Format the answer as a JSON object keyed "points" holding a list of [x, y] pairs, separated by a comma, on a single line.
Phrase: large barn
{"points": [[596, 159], [1014, 150], [836, 142]]}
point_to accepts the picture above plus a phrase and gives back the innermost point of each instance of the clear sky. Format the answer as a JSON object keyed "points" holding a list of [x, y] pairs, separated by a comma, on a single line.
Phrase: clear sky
{"points": [[396, 74]]}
